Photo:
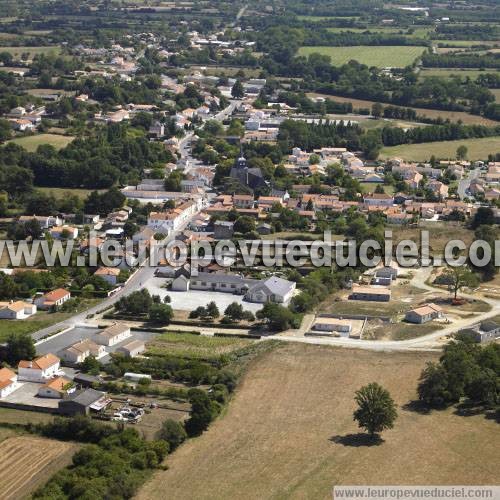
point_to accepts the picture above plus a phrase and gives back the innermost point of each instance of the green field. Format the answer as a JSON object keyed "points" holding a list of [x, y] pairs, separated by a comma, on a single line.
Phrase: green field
{"points": [[381, 56], [478, 149], [32, 51], [194, 346], [60, 193], [448, 73], [315, 19], [31, 142]]}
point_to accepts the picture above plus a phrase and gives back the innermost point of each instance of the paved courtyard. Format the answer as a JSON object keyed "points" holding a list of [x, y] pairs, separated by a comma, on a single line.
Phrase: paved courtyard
{"points": [[187, 301]]}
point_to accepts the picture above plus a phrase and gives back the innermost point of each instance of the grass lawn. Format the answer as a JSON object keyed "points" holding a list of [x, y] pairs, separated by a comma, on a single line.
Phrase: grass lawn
{"points": [[289, 433], [60, 193], [478, 149], [31, 142], [194, 346], [430, 113], [369, 187], [32, 51], [383, 56]]}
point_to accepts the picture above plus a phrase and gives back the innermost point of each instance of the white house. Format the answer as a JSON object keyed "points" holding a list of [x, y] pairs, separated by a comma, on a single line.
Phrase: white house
{"points": [[332, 325], [133, 348], [64, 232], [40, 369], [45, 221], [56, 388], [108, 274], [8, 382], [113, 334], [16, 310], [55, 298], [80, 351], [424, 314]]}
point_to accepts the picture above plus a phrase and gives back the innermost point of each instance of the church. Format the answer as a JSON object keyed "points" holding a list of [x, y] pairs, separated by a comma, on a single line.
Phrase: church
{"points": [[249, 177]]}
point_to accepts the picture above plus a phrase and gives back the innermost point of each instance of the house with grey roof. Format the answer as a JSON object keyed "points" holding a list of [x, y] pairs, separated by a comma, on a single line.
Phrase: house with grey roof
{"points": [[83, 402], [273, 289]]}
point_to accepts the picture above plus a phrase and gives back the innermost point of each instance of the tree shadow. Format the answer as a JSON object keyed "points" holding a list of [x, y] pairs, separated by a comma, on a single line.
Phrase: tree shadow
{"points": [[357, 440], [416, 406]]}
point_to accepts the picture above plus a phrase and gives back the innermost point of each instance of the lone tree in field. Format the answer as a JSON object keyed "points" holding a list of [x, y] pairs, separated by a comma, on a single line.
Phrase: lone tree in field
{"points": [[462, 152], [460, 277], [376, 409]]}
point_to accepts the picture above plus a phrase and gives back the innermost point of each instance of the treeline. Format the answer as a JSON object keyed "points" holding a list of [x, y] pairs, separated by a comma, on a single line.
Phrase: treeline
{"points": [[465, 370], [461, 60], [468, 32], [108, 156], [346, 38], [393, 136]]}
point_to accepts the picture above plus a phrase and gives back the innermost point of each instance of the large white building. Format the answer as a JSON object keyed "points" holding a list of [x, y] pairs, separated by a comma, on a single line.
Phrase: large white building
{"points": [[113, 334], [172, 220]]}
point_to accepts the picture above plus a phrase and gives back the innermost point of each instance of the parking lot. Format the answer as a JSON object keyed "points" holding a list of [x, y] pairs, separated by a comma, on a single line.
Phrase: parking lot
{"points": [[187, 301]]}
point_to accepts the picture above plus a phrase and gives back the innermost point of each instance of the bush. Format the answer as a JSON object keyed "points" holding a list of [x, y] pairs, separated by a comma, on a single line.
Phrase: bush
{"points": [[173, 433]]}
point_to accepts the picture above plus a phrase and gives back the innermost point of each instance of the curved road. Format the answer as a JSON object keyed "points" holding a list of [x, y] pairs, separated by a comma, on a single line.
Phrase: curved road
{"points": [[426, 342]]}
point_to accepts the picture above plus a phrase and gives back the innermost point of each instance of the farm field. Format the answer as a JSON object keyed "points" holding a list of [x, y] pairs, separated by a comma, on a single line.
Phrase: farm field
{"points": [[430, 113], [477, 149], [32, 51], [19, 476], [31, 142], [382, 56], [289, 433], [448, 73]]}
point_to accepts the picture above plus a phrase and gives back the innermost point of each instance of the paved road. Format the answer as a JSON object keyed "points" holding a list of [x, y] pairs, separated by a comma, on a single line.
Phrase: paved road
{"points": [[464, 184], [424, 343], [136, 282]]}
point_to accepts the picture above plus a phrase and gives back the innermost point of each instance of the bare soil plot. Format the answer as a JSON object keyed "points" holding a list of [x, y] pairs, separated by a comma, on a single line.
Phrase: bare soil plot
{"points": [[289, 433], [26, 462], [439, 236]]}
